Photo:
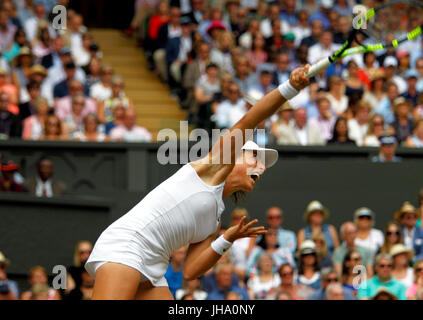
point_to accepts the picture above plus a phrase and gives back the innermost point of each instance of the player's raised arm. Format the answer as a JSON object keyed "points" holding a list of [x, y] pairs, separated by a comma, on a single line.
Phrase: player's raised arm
{"points": [[220, 161]]}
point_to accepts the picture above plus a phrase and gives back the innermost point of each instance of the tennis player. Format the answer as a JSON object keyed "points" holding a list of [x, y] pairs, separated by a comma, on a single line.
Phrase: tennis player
{"points": [[131, 256]]}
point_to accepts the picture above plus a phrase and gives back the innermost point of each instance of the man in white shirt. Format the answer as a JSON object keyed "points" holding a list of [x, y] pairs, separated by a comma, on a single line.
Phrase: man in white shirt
{"points": [[359, 125], [230, 111], [301, 133], [323, 49], [129, 132], [266, 24]]}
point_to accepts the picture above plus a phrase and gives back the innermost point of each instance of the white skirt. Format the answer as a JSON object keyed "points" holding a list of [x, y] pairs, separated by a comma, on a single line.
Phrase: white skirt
{"points": [[120, 245]]}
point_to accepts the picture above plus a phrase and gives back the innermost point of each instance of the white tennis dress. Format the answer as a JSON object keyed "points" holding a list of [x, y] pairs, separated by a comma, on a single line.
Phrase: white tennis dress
{"points": [[183, 209]]}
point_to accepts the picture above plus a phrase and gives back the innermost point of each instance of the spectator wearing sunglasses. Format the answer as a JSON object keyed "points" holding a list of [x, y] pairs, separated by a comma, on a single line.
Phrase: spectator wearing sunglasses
{"points": [[413, 236], [286, 238], [414, 292], [367, 236], [329, 276], [392, 237], [351, 271], [81, 254], [348, 234], [296, 291], [382, 278]]}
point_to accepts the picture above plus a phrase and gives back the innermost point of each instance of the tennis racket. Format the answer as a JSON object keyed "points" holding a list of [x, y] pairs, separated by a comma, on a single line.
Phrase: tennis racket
{"points": [[386, 26]]}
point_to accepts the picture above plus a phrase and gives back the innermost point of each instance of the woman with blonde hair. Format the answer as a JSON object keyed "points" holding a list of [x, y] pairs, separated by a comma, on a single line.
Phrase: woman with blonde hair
{"points": [[221, 55], [336, 95], [33, 126], [392, 237], [376, 129], [323, 256], [81, 254], [54, 129]]}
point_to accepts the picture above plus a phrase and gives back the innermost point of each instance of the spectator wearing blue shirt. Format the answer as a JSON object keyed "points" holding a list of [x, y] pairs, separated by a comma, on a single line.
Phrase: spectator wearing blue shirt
{"points": [[412, 235], [174, 275], [384, 107], [323, 13], [224, 272], [387, 150], [383, 278], [8, 288], [286, 238]]}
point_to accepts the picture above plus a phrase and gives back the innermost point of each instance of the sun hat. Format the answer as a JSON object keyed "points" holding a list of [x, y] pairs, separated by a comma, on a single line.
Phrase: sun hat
{"points": [[406, 207], [315, 206], [400, 248], [270, 156], [253, 96], [307, 247], [38, 69], [390, 62], [363, 212], [3, 259], [286, 106]]}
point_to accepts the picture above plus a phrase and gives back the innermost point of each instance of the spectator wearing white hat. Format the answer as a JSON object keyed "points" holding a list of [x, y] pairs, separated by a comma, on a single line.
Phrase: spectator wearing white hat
{"points": [[308, 265], [314, 216], [401, 270], [367, 236], [391, 64], [283, 120]]}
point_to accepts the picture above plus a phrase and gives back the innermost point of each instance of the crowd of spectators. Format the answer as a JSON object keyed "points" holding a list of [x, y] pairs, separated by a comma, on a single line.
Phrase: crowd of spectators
{"points": [[54, 84], [217, 56], [314, 263]]}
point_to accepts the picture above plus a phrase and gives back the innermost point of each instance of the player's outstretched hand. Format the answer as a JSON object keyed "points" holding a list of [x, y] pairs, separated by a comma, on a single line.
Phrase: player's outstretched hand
{"points": [[298, 78], [243, 230]]}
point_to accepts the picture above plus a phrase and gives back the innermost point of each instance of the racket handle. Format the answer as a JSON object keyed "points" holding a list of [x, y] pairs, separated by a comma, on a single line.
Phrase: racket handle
{"points": [[317, 67]]}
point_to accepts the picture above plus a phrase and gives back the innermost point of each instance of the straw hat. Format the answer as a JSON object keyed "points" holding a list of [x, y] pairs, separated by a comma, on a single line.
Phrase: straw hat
{"points": [[401, 100], [3, 259], [23, 51], [315, 206], [286, 106], [38, 69], [407, 207], [307, 247], [376, 74], [400, 248]]}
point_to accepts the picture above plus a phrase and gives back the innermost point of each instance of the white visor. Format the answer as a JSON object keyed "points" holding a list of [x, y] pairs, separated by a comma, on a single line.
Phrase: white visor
{"points": [[269, 156]]}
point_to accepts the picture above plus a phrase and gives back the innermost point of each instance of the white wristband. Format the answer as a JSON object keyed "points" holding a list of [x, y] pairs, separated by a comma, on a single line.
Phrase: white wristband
{"points": [[221, 245], [287, 90]]}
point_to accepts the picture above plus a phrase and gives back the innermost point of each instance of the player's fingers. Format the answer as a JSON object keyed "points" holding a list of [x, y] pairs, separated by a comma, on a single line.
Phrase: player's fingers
{"points": [[242, 222], [249, 224]]}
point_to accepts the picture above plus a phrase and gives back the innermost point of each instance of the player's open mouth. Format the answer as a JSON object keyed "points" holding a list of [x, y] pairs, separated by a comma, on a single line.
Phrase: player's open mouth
{"points": [[255, 177]]}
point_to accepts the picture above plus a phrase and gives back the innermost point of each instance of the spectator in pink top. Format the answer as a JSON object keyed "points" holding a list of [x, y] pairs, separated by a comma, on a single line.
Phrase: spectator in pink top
{"points": [[129, 132], [415, 291], [63, 107]]}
